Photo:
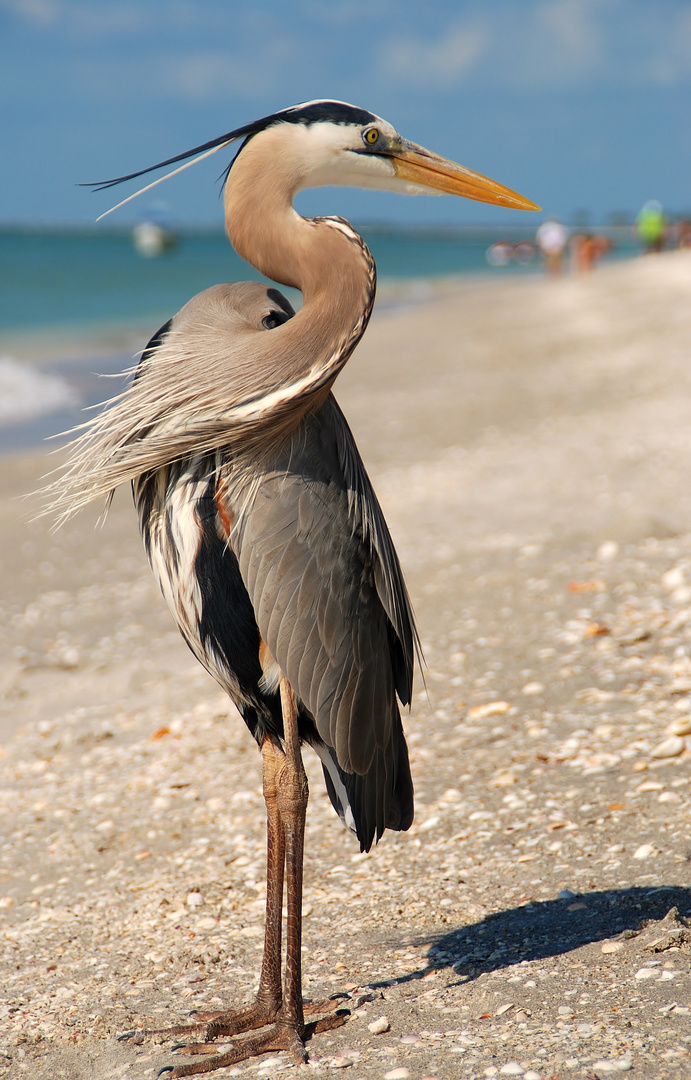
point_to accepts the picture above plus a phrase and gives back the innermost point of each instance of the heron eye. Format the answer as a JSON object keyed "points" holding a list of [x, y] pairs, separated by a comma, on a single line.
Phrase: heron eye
{"points": [[370, 136], [274, 319]]}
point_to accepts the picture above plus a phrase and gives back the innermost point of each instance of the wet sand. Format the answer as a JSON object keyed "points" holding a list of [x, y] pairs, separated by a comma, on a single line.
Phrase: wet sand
{"points": [[530, 441]]}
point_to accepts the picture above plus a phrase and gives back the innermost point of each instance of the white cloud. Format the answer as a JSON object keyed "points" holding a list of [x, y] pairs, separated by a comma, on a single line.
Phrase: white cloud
{"points": [[81, 20], [437, 64], [571, 25], [210, 75], [547, 44], [38, 12], [563, 44], [670, 60]]}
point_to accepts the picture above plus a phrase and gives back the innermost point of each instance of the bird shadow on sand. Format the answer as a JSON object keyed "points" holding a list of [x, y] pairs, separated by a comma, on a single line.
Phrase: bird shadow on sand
{"points": [[549, 928]]}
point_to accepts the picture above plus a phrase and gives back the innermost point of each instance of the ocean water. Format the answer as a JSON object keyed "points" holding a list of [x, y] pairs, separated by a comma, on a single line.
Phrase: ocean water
{"points": [[76, 302]]}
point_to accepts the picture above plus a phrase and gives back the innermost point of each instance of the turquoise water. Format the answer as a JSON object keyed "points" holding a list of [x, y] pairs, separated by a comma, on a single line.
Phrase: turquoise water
{"points": [[73, 303], [91, 277]]}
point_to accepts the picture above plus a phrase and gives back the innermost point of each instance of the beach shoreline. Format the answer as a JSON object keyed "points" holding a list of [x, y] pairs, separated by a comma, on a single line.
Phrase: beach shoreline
{"points": [[531, 446], [51, 377]]}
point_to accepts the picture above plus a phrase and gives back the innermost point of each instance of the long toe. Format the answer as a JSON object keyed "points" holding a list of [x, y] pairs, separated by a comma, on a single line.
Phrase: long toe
{"points": [[326, 1005], [326, 1023], [237, 1021], [280, 1036], [208, 1026]]}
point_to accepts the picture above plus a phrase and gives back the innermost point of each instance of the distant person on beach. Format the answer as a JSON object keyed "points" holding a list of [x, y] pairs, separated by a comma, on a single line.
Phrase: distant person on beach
{"points": [[682, 234], [651, 227], [587, 249], [551, 239]]}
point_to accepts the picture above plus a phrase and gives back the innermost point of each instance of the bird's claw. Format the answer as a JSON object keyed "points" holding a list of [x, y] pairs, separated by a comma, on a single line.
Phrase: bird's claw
{"points": [[134, 1033], [330, 1004]]}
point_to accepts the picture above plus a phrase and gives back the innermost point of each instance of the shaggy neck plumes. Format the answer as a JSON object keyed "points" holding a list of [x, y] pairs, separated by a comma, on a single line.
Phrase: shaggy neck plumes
{"points": [[217, 376]]}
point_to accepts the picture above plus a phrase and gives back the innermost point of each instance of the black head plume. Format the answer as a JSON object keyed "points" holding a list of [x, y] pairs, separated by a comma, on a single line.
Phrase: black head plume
{"points": [[335, 112]]}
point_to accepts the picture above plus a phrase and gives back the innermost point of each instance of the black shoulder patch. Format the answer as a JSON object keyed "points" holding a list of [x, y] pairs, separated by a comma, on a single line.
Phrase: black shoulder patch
{"points": [[152, 345], [277, 297]]}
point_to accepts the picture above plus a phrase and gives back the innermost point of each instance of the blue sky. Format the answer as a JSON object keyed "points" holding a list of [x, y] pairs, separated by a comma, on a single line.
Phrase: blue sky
{"points": [[575, 103]]}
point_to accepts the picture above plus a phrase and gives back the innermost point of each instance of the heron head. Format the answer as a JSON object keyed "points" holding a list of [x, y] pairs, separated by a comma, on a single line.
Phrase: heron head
{"points": [[331, 142]]}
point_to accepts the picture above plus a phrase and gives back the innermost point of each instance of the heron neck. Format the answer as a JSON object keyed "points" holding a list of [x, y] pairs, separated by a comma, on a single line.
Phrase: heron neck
{"points": [[322, 257]]}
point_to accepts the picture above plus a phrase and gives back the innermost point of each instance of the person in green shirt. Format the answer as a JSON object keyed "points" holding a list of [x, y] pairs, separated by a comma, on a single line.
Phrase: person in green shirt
{"points": [[651, 226]]}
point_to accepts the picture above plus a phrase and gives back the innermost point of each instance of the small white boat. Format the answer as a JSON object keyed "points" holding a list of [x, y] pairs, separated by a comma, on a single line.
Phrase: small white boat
{"points": [[152, 239]]}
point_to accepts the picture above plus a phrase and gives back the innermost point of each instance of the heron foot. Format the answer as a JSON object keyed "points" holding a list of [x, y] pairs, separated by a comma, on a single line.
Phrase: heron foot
{"points": [[229, 1022], [212, 1025], [282, 1035], [239, 1021]]}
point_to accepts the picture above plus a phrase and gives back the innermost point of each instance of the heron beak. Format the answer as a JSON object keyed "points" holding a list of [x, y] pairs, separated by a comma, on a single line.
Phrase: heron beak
{"points": [[422, 167]]}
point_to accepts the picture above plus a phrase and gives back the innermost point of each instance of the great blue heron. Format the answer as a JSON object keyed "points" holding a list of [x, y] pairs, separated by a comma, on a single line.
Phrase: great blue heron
{"points": [[259, 519]]}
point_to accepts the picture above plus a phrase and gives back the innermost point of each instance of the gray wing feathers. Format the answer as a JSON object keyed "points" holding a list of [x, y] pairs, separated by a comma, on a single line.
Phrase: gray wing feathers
{"points": [[327, 590], [388, 577]]}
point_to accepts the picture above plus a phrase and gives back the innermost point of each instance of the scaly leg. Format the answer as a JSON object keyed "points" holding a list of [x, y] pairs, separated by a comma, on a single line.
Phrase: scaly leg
{"points": [[293, 793], [288, 1030], [265, 1008]]}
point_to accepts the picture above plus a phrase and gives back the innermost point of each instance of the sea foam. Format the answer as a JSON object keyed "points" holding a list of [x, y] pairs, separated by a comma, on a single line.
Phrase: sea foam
{"points": [[26, 392]]}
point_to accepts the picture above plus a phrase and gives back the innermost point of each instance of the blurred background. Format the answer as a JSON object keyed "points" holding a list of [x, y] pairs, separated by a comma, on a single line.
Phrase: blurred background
{"points": [[582, 105]]}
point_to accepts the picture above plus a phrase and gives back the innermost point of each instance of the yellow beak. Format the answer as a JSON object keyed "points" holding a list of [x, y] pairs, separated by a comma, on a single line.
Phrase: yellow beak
{"points": [[421, 166]]}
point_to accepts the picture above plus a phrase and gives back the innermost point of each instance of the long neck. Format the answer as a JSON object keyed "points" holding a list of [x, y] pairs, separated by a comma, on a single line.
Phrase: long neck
{"points": [[322, 257]]}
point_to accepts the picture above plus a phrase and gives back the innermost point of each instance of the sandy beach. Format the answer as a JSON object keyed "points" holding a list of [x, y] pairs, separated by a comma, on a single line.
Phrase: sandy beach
{"points": [[530, 441]]}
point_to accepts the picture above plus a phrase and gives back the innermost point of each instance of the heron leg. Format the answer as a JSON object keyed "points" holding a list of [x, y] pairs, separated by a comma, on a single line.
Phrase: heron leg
{"points": [[286, 792], [288, 1030], [293, 794], [270, 979], [265, 1008]]}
